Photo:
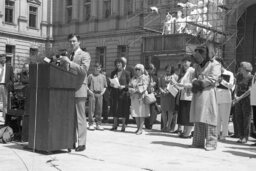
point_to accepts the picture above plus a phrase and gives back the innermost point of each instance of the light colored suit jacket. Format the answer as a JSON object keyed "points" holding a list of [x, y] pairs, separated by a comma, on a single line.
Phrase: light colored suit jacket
{"points": [[80, 66]]}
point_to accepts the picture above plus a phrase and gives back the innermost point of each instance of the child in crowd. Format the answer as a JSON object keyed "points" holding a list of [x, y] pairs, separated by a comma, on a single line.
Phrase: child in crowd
{"points": [[97, 84]]}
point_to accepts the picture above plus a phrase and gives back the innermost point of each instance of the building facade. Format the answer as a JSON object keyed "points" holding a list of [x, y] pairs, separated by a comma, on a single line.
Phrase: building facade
{"points": [[241, 26], [108, 28], [25, 30]]}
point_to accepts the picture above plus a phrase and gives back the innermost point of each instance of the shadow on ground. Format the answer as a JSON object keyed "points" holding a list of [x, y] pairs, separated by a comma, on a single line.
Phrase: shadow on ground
{"points": [[158, 133], [24, 146], [242, 154], [171, 144]]}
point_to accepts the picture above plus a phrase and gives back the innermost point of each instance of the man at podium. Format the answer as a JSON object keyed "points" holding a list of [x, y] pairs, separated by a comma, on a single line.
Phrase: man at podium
{"points": [[78, 63]]}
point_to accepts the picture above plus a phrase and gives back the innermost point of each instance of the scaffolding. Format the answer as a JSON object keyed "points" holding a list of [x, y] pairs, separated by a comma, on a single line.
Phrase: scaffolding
{"points": [[204, 20]]}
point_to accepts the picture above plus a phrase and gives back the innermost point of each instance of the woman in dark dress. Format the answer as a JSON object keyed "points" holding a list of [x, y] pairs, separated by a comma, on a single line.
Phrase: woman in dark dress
{"points": [[120, 95]]}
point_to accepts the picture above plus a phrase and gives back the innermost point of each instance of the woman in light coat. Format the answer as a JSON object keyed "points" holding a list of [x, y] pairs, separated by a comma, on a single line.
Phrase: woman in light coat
{"points": [[204, 107], [137, 88]]}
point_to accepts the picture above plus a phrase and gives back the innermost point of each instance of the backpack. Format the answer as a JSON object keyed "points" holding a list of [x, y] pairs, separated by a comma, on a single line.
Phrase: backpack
{"points": [[6, 134]]}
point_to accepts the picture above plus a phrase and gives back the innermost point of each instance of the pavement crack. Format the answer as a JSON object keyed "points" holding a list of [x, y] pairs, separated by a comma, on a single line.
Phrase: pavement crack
{"points": [[87, 157], [52, 164], [147, 169]]}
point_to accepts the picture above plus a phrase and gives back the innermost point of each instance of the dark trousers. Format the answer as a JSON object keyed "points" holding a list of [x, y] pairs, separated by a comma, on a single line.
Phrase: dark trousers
{"points": [[152, 118], [243, 117], [105, 105]]}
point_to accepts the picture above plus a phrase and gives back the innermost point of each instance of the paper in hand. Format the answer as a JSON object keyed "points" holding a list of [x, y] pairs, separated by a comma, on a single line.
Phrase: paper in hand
{"points": [[115, 82]]}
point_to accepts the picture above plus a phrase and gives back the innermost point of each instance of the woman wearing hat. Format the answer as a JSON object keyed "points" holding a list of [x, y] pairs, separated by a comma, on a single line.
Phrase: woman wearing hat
{"points": [[243, 109], [137, 88], [204, 107]]}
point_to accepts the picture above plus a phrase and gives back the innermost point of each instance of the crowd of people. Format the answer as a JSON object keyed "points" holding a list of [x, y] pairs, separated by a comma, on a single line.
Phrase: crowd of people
{"points": [[194, 100], [201, 107]]}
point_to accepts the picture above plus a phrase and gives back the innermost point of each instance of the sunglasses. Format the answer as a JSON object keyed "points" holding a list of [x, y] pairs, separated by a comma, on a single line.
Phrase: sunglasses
{"points": [[137, 69]]}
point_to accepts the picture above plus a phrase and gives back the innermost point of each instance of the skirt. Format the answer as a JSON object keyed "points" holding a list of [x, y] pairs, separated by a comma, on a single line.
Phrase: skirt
{"points": [[183, 113]]}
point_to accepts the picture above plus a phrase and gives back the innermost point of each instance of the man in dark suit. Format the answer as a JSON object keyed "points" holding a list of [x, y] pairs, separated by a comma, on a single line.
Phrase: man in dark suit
{"points": [[79, 63], [130, 70], [6, 83]]}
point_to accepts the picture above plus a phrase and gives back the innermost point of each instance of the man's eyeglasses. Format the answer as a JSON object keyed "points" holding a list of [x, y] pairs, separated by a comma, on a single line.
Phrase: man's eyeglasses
{"points": [[137, 69]]}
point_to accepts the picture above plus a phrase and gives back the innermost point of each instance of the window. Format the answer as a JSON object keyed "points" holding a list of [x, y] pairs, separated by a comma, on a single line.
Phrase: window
{"points": [[87, 10], [33, 52], [10, 52], [128, 7], [9, 11], [122, 51], [107, 8], [101, 55], [152, 2], [32, 16], [68, 11]]}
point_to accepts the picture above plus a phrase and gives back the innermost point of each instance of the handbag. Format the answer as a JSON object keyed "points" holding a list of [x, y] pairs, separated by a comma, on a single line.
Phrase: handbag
{"points": [[253, 92], [149, 98]]}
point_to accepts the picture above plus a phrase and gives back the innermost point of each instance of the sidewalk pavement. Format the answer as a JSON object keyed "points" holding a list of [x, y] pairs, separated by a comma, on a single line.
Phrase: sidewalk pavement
{"points": [[114, 150]]}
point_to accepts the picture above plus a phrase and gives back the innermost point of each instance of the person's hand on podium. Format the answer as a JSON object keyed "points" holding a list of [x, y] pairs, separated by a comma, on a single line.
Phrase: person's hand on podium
{"points": [[65, 59]]}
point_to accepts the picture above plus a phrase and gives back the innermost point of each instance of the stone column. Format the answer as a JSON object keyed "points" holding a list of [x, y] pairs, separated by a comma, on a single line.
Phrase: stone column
{"points": [[94, 7], [75, 10], [2, 6], [23, 15], [115, 7]]}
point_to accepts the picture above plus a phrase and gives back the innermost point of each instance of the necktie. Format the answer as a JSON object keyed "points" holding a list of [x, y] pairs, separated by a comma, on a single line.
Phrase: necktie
{"points": [[72, 56]]}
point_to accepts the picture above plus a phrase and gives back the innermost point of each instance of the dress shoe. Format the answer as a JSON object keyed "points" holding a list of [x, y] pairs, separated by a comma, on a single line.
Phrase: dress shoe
{"points": [[234, 136], [99, 127], [91, 128], [185, 136], [177, 132], [80, 148], [244, 140], [123, 129], [210, 148], [113, 128], [139, 132]]}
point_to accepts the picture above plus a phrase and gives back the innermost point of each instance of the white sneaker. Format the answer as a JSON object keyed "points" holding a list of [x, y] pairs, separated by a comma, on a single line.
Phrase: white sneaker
{"points": [[99, 127], [91, 127]]}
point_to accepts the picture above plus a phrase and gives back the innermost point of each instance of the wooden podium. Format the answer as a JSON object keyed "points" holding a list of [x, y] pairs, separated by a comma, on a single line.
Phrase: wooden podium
{"points": [[52, 108]]}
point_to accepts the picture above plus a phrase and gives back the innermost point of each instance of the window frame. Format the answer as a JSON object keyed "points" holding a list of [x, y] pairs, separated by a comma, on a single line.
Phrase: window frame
{"points": [[120, 53], [9, 8], [105, 8], [68, 9], [99, 54], [129, 5], [35, 14], [33, 52], [87, 3], [10, 55]]}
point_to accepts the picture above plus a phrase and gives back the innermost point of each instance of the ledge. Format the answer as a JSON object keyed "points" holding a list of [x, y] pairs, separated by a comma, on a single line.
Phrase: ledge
{"points": [[33, 28], [22, 18], [7, 23], [44, 23]]}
